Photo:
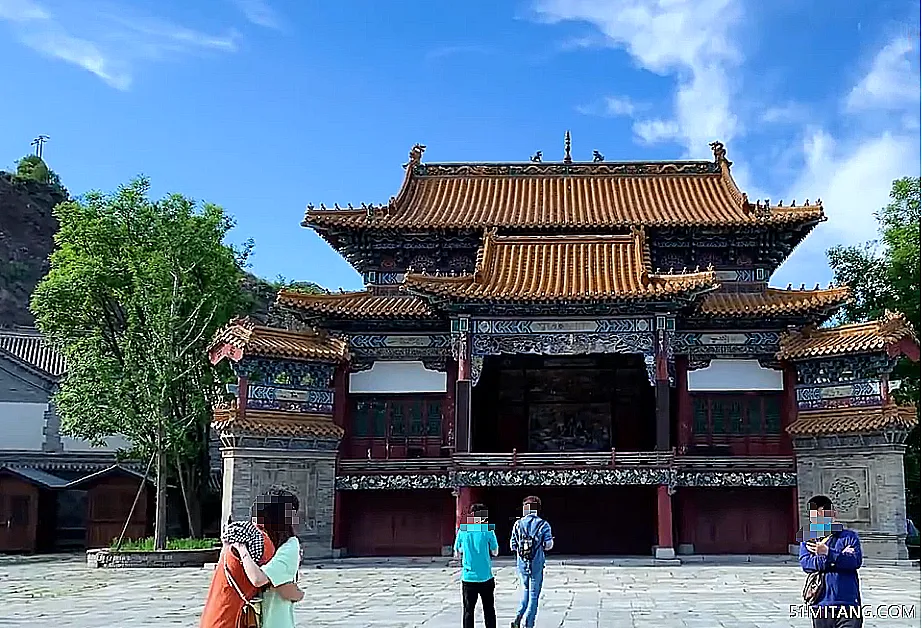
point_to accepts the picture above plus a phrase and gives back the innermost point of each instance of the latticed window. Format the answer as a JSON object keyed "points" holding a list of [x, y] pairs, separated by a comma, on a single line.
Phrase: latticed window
{"points": [[721, 414], [416, 418], [434, 419], [398, 420], [379, 417], [361, 419], [397, 417]]}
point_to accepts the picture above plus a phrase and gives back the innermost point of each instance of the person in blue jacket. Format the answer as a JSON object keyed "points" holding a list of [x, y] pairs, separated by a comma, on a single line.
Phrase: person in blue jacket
{"points": [[831, 549]]}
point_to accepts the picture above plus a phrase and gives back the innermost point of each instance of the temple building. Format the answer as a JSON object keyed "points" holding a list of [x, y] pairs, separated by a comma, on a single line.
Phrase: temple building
{"points": [[600, 334]]}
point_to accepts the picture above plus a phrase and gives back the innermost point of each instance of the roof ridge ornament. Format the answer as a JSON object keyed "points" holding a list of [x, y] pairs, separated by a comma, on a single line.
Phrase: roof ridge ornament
{"points": [[567, 159], [720, 153], [597, 157], [536, 158], [416, 156]]}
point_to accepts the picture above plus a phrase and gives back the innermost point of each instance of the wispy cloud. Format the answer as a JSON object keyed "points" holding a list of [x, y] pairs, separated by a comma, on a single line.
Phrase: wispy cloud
{"points": [[105, 43], [694, 44], [259, 12], [612, 106], [458, 50], [688, 40], [893, 80], [21, 11]]}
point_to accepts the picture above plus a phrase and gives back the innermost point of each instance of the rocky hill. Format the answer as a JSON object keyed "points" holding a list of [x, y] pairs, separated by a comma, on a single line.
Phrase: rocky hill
{"points": [[27, 228]]}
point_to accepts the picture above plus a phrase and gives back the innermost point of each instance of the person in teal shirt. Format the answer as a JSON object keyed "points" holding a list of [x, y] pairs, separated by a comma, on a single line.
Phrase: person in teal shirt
{"points": [[278, 514], [475, 544]]}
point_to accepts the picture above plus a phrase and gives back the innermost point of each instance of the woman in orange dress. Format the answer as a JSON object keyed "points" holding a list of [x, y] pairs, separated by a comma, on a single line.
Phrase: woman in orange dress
{"points": [[223, 603]]}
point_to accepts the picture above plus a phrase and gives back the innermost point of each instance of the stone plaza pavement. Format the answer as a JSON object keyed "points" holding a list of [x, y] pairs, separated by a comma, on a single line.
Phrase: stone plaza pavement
{"points": [[61, 592]]}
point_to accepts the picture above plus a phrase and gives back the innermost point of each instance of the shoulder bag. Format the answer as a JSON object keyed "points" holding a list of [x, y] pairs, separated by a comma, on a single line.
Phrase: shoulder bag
{"points": [[815, 585]]}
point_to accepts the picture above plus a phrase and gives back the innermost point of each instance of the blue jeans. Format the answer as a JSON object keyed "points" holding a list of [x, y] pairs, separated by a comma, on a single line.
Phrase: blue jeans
{"points": [[531, 585]]}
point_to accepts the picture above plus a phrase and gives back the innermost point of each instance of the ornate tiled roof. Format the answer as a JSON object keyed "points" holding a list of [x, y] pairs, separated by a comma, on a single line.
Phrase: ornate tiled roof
{"points": [[31, 348], [875, 336], [565, 195], [243, 337], [275, 423], [568, 268], [773, 302], [358, 305], [853, 420]]}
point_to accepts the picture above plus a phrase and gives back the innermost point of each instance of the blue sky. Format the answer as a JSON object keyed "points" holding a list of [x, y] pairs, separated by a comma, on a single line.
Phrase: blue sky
{"points": [[263, 106]]}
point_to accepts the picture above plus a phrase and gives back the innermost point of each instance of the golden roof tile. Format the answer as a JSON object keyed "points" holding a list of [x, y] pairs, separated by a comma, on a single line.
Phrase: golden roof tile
{"points": [[884, 335], [356, 305], [853, 420], [243, 337], [565, 195], [569, 268], [772, 302], [275, 423]]}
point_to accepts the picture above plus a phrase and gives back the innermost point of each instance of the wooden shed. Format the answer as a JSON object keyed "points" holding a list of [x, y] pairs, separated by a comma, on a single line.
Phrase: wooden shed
{"points": [[109, 496], [27, 509]]}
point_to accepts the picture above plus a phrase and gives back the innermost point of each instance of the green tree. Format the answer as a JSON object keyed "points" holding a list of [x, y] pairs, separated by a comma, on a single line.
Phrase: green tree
{"points": [[135, 292], [34, 168], [885, 275]]}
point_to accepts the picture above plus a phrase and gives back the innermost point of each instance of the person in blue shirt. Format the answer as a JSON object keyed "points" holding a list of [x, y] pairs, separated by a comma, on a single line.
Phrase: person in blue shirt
{"points": [[475, 544], [831, 549], [531, 535]]}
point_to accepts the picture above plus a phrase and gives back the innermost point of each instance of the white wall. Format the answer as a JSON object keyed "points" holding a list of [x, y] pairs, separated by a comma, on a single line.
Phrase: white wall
{"points": [[735, 375], [398, 377], [22, 425]]}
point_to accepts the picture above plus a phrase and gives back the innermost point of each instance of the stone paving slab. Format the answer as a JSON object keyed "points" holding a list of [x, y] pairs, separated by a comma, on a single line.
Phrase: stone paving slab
{"points": [[64, 593]]}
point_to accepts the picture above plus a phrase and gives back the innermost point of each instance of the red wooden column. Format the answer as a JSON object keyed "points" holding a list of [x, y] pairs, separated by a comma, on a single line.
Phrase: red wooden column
{"points": [[664, 547], [339, 522], [462, 430], [464, 497], [683, 400], [662, 385], [789, 405]]}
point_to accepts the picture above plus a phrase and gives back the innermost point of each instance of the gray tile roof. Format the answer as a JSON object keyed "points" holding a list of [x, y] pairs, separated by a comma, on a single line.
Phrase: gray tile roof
{"points": [[29, 346], [38, 476]]}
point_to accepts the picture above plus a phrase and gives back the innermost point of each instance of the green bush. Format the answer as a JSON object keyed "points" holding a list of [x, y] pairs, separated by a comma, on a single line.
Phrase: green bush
{"points": [[912, 540], [147, 545]]}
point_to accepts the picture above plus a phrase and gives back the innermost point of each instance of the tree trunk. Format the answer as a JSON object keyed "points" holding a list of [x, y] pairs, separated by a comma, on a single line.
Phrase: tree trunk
{"points": [[193, 518], [160, 515]]}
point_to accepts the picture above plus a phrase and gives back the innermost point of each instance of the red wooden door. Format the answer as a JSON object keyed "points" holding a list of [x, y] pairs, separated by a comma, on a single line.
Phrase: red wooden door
{"points": [[18, 515], [738, 521], [108, 505], [396, 523]]}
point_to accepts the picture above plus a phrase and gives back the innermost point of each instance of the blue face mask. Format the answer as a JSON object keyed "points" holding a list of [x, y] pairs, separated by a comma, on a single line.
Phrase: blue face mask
{"points": [[821, 524]]}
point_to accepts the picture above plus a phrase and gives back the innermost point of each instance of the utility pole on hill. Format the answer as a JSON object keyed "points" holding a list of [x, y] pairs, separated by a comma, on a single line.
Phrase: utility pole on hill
{"points": [[39, 143]]}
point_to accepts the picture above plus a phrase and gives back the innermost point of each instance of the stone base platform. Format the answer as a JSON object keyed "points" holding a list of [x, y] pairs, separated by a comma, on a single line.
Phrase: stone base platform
{"points": [[103, 558]]}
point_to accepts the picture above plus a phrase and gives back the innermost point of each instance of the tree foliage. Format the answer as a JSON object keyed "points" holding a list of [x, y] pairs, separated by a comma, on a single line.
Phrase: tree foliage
{"points": [[135, 292], [885, 275], [34, 168]]}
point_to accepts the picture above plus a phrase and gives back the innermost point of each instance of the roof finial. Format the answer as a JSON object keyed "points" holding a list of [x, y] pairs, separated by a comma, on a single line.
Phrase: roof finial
{"points": [[536, 157], [597, 156], [720, 152], [567, 159], [416, 155]]}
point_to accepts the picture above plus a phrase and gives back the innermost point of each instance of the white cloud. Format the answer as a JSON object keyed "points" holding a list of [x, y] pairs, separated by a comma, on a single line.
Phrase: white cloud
{"points": [[21, 11], [655, 131], [790, 113], [259, 12], [106, 44], [613, 106], [690, 39], [893, 80]]}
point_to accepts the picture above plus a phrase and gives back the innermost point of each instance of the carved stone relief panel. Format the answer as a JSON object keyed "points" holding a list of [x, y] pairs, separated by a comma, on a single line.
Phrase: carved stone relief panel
{"points": [[849, 489]]}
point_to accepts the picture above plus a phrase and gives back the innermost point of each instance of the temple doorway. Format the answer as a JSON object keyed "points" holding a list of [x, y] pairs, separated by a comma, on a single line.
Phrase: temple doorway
{"points": [[570, 403], [586, 520]]}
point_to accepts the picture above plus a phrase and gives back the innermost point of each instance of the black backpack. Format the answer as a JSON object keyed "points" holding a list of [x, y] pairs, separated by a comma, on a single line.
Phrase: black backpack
{"points": [[526, 545]]}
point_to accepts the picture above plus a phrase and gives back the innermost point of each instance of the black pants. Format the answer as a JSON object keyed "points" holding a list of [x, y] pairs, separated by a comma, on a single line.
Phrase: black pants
{"points": [[837, 622], [469, 593]]}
